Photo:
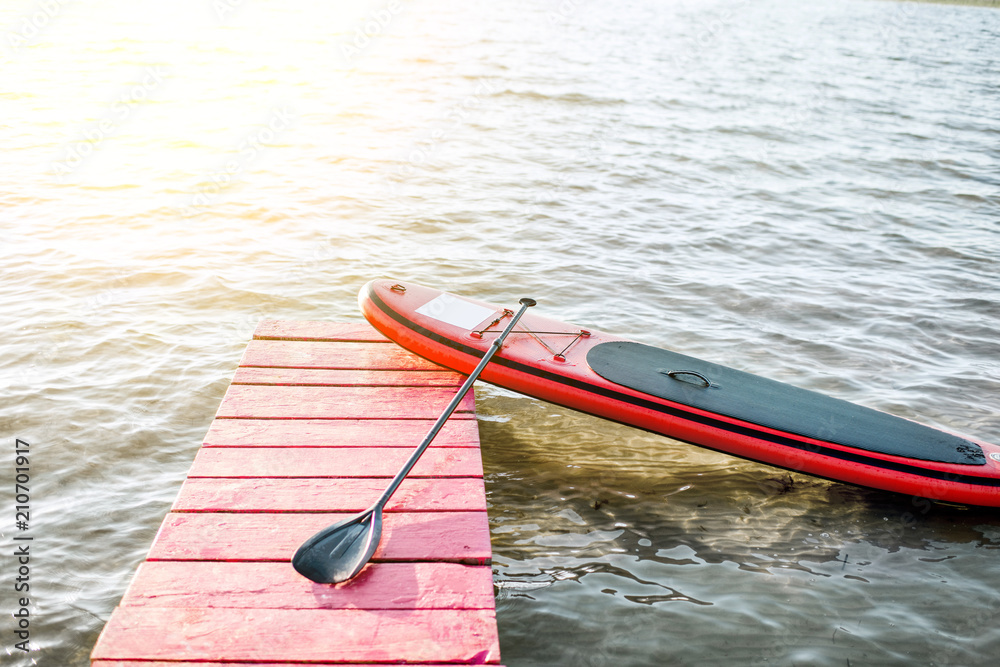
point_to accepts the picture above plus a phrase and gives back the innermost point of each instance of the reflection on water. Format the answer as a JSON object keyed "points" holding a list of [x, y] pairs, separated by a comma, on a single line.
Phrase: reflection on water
{"points": [[805, 191], [699, 558]]}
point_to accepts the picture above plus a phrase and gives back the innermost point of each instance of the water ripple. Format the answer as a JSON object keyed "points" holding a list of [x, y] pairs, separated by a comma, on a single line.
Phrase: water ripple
{"points": [[806, 191]]}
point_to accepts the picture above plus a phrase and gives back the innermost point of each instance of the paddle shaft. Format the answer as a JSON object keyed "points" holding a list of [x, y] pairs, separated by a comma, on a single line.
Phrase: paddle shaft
{"points": [[469, 381]]}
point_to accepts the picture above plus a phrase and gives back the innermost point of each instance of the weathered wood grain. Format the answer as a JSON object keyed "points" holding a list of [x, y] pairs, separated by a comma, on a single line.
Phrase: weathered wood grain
{"points": [[322, 354], [458, 537], [317, 331], [328, 495], [256, 402], [346, 377], [302, 635], [333, 462], [278, 586], [186, 663], [338, 433], [317, 419]]}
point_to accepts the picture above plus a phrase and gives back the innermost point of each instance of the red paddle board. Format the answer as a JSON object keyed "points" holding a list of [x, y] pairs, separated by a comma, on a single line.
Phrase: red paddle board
{"points": [[686, 398]]}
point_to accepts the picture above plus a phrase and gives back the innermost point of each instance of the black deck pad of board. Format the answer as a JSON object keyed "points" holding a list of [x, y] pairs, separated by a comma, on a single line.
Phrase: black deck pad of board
{"points": [[776, 405]]}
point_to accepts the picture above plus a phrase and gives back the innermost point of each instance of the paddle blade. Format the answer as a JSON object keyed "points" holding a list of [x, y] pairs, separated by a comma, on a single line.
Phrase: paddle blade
{"points": [[338, 552]]}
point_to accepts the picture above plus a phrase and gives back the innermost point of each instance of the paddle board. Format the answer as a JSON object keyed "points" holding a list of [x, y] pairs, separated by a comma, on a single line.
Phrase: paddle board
{"points": [[686, 398]]}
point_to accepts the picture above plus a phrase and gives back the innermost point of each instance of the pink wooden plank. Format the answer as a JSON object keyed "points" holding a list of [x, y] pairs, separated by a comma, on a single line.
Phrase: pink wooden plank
{"points": [[338, 433], [304, 635], [261, 402], [460, 537], [328, 495], [278, 586], [217, 586], [171, 663], [333, 462], [346, 378], [331, 331], [307, 354]]}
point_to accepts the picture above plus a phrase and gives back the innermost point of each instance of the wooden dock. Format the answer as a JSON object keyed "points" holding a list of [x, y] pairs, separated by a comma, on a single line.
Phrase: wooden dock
{"points": [[318, 418]]}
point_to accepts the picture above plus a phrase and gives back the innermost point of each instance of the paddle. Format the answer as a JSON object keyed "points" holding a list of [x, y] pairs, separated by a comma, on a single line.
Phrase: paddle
{"points": [[338, 552]]}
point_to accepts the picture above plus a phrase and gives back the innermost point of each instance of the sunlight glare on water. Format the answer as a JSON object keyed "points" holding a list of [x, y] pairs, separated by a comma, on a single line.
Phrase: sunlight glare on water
{"points": [[807, 191]]}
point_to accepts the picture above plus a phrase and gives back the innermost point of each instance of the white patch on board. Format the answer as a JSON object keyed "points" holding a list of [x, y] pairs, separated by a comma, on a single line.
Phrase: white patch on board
{"points": [[457, 312]]}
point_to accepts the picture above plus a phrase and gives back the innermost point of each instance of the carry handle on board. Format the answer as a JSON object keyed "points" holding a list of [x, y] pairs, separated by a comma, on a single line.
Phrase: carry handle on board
{"points": [[674, 375]]}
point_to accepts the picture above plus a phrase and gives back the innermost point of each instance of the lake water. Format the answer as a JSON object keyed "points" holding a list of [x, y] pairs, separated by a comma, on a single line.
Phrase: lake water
{"points": [[807, 191]]}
